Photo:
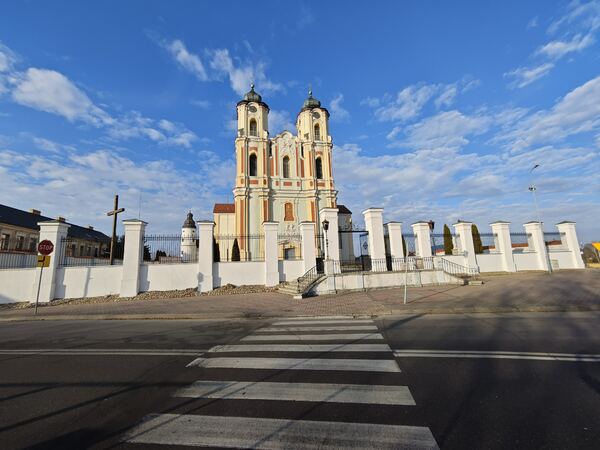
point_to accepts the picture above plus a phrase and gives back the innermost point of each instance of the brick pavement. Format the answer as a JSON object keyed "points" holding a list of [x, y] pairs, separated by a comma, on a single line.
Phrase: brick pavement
{"points": [[562, 291]]}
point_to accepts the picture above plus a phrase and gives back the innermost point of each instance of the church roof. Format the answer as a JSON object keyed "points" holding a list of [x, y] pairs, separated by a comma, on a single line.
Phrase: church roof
{"points": [[253, 96], [189, 221], [224, 208], [312, 103], [343, 210], [20, 218]]}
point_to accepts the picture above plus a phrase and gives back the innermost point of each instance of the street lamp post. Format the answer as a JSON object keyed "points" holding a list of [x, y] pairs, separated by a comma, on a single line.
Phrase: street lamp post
{"points": [[533, 189], [325, 228]]}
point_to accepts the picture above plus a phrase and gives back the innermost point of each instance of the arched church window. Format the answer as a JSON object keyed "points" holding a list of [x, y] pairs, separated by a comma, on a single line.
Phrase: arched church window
{"points": [[286, 167], [253, 128], [319, 168], [317, 132], [252, 165]]}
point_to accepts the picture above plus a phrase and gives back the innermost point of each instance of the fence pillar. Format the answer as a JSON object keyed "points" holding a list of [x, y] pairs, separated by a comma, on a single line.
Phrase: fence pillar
{"points": [[271, 257], [535, 239], [309, 258], [54, 231], [422, 239], [568, 236], [133, 254], [503, 244], [332, 236], [205, 255], [374, 225], [396, 248], [467, 247]]}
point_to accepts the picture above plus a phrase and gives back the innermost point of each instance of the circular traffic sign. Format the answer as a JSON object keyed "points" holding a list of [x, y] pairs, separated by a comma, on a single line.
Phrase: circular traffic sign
{"points": [[45, 247]]}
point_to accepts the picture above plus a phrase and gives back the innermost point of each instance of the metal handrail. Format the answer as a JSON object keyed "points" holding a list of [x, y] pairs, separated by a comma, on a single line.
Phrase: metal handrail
{"points": [[452, 268]]}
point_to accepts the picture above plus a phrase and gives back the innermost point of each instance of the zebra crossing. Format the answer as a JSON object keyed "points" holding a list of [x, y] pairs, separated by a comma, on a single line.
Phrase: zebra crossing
{"points": [[284, 385]]}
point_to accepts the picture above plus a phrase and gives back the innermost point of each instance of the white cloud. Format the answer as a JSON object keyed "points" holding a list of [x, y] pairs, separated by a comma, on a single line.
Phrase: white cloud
{"points": [[533, 23], [51, 146], [50, 91], [523, 76], [279, 121], [185, 59], [81, 186], [242, 75], [338, 113], [407, 104], [558, 49], [447, 97], [204, 104], [446, 129], [577, 112]]}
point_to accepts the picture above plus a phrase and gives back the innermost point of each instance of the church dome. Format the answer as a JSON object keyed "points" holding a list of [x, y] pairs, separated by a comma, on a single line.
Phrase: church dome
{"points": [[189, 221], [311, 102], [252, 95]]}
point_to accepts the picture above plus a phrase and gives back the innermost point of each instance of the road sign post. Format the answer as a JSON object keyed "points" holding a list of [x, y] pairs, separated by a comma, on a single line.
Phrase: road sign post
{"points": [[44, 249]]}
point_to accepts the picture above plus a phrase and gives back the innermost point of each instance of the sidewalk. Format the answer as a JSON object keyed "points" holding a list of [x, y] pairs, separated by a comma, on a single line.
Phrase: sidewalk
{"points": [[561, 291]]}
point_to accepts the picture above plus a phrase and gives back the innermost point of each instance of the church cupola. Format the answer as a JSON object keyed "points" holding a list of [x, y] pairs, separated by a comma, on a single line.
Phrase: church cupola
{"points": [[253, 96], [189, 221], [311, 102]]}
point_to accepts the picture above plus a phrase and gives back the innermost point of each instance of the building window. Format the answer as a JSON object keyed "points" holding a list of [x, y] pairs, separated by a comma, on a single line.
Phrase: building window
{"points": [[317, 132], [253, 165], [32, 244], [319, 168], [288, 212], [253, 128], [4, 241], [81, 250], [20, 243], [286, 167]]}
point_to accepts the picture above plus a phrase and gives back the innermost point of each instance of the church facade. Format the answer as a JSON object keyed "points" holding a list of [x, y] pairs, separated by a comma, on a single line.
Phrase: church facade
{"points": [[287, 178]]}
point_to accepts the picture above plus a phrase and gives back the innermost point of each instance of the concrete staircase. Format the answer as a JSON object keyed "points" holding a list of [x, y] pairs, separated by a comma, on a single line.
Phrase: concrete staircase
{"points": [[300, 287]]}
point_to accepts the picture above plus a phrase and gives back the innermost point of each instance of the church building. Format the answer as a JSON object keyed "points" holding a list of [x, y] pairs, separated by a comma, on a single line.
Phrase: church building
{"points": [[287, 178]]}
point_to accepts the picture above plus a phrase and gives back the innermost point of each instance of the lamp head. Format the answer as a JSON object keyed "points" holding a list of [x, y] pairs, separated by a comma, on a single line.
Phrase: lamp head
{"points": [[325, 225]]}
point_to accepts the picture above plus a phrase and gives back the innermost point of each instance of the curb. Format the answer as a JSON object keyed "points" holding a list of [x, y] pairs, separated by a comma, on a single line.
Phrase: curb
{"points": [[457, 310]]}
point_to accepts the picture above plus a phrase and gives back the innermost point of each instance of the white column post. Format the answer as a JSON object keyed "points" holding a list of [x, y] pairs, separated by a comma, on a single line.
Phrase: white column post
{"points": [[396, 248], [332, 235], [271, 257], [422, 239], [504, 244], [132, 257], [534, 229], [205, 255], [569, 240], [309, 256], [374, 225], [465, 233], [53, 231]]}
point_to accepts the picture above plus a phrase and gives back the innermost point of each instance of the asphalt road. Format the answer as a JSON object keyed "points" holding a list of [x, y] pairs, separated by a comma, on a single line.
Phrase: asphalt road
{"points": [[481, 381]]}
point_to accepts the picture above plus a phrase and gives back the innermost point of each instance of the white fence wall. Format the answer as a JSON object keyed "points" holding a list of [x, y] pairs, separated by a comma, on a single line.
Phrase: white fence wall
{"points": [[490, 262], [238, 273], [526, 261], [168, 277], [94, 281], [563, 257], [16, 285], [290, 270]]}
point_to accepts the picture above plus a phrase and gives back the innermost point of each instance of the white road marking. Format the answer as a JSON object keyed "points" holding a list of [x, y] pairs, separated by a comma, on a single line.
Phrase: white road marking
{"points": [[321, 322], [320, 328], [307, 392], [102, 352], [362, 365], [301, 348], [352, 337], [534, 356], [270, 434]]}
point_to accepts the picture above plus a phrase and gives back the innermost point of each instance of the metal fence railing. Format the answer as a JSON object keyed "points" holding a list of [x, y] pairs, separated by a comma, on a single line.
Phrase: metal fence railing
{"points": [[12, 259], [170, 249], [249, 247], [553, 238], [78, 252], [289, 246]]}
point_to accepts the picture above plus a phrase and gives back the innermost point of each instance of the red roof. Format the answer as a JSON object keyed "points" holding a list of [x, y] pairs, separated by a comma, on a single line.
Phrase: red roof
{"points": [[343, 210], [224, 208]]}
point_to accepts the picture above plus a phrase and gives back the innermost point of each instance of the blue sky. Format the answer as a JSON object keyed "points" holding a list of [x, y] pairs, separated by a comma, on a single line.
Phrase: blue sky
{"points": [[438, 109]]}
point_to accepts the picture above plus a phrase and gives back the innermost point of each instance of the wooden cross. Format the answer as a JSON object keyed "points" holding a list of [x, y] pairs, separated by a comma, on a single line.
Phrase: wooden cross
{"points": [[116, 210]]}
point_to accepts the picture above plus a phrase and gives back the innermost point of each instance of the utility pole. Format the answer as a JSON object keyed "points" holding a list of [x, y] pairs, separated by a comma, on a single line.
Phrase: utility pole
{"points": [[113, 241]]}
